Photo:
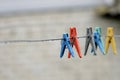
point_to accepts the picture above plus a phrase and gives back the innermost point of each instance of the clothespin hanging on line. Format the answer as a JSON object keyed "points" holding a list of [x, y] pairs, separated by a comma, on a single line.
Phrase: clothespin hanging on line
{"points": [[89, 40], [66, 43], [98, 39], [110, 40], [74, 41], [98, 29]]}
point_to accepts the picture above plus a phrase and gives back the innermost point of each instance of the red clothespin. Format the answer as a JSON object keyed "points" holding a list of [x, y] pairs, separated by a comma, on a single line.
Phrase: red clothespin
{"points": [[74, 41]]}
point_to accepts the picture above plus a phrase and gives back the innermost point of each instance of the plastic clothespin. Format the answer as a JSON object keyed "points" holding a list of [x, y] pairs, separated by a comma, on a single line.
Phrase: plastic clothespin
{"points": [[98, 29], [110, 40], [89, 40], [74, 41], [66, 43], [98, 39]]}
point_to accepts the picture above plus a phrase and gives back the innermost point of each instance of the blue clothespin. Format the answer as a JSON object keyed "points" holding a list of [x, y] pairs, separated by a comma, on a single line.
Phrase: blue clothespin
{"points": [[98, 40], [66, 43], [98, 29]]}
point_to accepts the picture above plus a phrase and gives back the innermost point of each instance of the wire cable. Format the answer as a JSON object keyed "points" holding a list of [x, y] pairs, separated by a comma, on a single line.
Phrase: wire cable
{"points": [[44, 40], [28, 41]]}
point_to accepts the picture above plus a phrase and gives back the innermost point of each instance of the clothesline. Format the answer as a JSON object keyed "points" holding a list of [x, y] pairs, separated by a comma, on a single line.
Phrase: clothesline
{"points": [[43, 40], [71, 39]]}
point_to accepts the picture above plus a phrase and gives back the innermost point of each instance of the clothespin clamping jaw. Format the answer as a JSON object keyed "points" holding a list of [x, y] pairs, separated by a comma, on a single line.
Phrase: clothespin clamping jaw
{"points": [[74, 41], [98, 39], [66, 43], [89, 40], [110, 40]]}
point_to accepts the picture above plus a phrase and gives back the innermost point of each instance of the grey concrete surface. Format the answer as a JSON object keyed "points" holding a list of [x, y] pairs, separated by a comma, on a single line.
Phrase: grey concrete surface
{"points": [[40, 61]]}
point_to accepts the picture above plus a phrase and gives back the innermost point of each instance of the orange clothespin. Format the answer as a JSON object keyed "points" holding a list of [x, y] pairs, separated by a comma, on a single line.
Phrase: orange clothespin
{"points": [[110, 40], [74, 41]]}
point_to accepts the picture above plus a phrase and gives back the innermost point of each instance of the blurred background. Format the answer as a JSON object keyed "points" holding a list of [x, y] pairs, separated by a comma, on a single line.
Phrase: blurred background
{"points": [[47, 19]]}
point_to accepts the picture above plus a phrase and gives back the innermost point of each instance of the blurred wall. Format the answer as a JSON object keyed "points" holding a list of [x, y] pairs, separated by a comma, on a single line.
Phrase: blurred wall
{"points": [[23, 5]]}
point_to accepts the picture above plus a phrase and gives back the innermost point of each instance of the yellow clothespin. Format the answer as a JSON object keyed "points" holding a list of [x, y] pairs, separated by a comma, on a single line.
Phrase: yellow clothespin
{"points": [[110, 39]]}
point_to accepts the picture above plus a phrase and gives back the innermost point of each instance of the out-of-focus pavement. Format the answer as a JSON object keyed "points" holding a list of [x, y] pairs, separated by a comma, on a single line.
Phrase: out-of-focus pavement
{"points": [[40, 61]]}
